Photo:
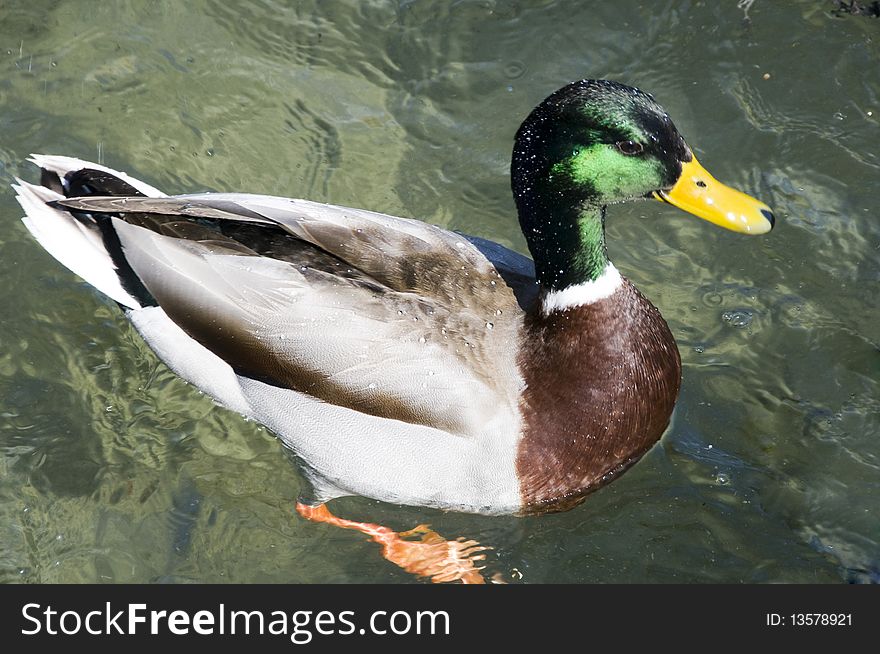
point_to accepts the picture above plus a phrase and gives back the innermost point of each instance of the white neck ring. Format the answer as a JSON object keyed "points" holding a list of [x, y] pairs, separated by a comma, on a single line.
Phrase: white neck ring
{"points": [[578, 295]]}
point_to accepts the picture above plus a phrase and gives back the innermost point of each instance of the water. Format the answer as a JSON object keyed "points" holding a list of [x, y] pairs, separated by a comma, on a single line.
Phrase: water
{"points": [[113, 470]]}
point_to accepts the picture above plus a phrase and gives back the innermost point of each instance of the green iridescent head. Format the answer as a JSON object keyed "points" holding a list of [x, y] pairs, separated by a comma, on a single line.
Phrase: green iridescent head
{"points": [[594, 143], [599, 142]]}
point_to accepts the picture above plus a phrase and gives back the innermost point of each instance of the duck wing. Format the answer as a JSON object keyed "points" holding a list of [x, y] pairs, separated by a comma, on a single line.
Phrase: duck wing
{"points": [[384, 315]]}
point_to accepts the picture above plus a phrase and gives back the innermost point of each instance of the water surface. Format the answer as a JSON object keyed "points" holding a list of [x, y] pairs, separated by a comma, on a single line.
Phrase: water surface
{"points": [[114, 470]]}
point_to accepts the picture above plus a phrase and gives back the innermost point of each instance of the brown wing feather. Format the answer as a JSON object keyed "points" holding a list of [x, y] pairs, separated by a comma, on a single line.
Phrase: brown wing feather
{"points": [[429, 337], [402, 254]]}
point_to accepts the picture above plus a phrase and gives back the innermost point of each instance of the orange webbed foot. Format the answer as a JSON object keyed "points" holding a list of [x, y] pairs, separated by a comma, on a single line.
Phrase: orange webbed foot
{"points": [[428, 555]]}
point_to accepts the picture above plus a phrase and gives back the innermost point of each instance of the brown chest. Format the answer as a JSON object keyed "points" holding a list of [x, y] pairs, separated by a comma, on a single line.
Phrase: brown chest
{"points": [[601, 383]]}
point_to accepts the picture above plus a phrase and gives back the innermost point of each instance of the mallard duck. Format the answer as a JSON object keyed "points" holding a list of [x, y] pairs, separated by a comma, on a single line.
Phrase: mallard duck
{"points": [[401, 361]]}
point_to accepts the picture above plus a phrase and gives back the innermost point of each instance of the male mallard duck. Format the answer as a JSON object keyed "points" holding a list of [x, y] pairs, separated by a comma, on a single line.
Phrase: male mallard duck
{"points": [[399, 360]]}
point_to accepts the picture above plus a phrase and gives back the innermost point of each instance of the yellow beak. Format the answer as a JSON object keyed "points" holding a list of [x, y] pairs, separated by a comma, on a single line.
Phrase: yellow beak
{"points": [[697, 192]]}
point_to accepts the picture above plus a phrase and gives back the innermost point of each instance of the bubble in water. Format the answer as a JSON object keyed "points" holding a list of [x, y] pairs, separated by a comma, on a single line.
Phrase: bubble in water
{"points": [[722, 479], [489, 325], [739, 318]]}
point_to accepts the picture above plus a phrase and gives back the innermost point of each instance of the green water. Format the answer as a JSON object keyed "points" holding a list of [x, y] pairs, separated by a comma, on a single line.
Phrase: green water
{"points": [[113, 470]]}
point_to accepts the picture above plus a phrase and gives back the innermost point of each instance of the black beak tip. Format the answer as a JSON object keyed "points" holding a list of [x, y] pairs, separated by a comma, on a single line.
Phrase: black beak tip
{"points": [[769, 216]]}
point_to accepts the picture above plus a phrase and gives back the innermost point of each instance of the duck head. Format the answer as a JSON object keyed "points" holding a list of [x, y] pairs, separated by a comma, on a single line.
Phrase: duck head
{"points": [[594, 143]]}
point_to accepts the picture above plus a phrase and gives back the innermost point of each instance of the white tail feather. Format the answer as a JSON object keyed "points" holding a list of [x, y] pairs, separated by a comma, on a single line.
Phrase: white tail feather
{"points": [[75, 245], [63, 165]]}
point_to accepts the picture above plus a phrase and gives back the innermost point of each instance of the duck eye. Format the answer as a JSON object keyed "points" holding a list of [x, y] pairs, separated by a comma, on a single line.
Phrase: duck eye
{"points": [[630, 147]]}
